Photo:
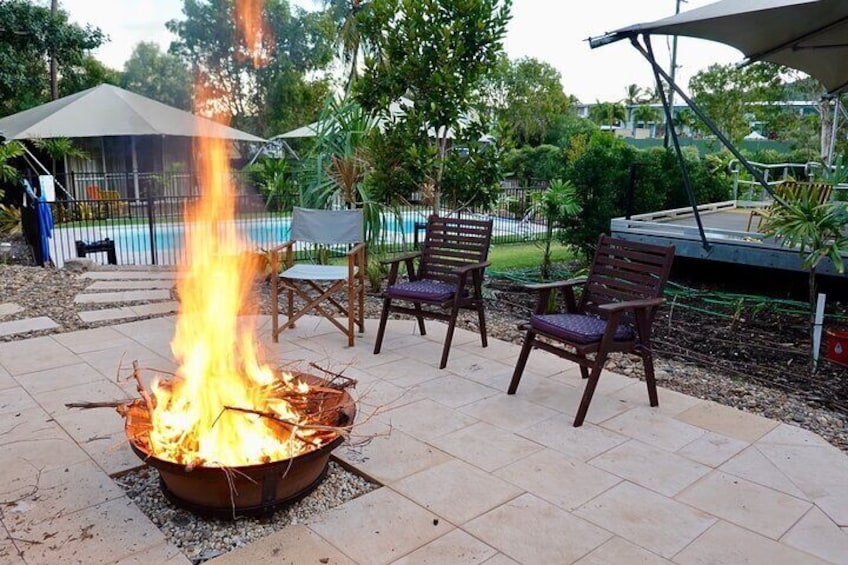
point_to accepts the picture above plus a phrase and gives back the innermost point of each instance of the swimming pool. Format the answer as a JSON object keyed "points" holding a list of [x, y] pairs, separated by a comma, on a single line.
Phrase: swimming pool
{"points": [[164, 244]]}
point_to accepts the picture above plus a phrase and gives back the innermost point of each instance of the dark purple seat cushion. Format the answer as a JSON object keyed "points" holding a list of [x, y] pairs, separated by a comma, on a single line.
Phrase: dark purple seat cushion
{"points": [[578, 328], [422, 290]]}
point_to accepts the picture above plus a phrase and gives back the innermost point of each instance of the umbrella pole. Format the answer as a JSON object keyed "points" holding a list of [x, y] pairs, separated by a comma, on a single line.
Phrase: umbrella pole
{"points": [[29, 156], [758, 176], [670, 129]]}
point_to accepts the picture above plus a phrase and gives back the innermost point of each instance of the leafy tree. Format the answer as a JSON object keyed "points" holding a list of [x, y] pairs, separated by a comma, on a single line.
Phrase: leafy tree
{"points": [[645, 114], [210, 43], [88, 74], [28, 34], [435, 52], [607, 113], [732, 98], [527, 97], [158, 75]]}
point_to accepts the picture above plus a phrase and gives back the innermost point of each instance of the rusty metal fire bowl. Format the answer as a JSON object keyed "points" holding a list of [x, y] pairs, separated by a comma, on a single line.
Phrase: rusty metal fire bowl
{"points": [[243, 490]]}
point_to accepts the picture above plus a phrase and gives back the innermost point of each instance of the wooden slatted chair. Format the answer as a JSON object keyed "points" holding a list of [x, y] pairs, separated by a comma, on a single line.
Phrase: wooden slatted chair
{"points": [[315, 288], [791, 191], [616, 309], [449, 277]]}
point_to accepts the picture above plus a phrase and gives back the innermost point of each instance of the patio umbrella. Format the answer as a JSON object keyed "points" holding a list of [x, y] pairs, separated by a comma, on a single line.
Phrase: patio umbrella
{"points": [[807, 35]]}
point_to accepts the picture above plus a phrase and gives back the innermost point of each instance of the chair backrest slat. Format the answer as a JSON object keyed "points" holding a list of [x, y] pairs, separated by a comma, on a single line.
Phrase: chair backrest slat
{"points": [[451, 243], [624, 270]]}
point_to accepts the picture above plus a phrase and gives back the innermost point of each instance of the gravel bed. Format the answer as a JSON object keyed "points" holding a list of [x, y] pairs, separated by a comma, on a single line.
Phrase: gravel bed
{"points": [[201, 539]]}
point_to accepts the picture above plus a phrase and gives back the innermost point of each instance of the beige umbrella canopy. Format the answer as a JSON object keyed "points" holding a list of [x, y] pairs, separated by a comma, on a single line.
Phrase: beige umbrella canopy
{"points": [[807, 35], [107, 110]]}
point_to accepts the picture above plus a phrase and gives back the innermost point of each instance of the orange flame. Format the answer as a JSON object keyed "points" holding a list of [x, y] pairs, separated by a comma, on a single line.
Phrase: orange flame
{"points": [[251, 29], [220, 366]]}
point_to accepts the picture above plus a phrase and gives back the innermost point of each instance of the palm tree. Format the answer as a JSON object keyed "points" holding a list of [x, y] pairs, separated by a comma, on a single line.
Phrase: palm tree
{"points": [[634, 95], [644, 114], [684, 119], [607, 113], [349, 41]]}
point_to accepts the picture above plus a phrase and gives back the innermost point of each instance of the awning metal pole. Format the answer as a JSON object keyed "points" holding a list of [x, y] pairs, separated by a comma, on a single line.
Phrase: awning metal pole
{"points": [[834, 127], [687, 182], [46, 171], [758, 176]]}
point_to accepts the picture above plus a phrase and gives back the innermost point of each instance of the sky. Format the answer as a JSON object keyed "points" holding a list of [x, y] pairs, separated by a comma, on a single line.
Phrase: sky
{"points": [[553, 31]]}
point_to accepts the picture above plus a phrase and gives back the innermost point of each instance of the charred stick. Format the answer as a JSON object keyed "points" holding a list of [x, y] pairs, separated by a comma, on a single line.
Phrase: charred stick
{"points": [[346, 382], [274, 417], [142, 390], [103, 404]]}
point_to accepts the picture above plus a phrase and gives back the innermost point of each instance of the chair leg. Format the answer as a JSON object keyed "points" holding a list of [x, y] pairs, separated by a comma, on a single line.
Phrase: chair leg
{"points": [[481, 318], [275, 311], [420, 319], [361, 313], [584, 371], [290, 310], [351, 313], [449, 336], [589, 391], [522, 361], [384, 316], [648, 363]]}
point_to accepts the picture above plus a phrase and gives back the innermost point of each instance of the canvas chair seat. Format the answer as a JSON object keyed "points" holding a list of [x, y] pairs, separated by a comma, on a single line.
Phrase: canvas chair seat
{"points": [[317, 272], [331, 291], [579, 328]]}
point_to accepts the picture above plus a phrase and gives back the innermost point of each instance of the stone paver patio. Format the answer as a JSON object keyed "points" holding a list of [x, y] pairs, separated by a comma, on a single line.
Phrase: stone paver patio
{"points": [[471, 475]]}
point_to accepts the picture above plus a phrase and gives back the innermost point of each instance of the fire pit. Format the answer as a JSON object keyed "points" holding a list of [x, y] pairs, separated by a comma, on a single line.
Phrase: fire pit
{"points": [[248, 489]]}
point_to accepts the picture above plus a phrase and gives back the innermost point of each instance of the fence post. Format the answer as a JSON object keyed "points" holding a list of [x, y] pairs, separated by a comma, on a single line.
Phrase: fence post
{"points": [[151, 223], [631, 190]]}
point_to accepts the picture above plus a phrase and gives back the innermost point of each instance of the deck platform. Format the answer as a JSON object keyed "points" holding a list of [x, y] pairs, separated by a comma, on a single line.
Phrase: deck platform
{"points": [[724, 226]]}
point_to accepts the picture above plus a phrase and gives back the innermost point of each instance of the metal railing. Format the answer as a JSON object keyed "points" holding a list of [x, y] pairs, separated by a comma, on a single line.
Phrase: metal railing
{"points": [[153, 230]]}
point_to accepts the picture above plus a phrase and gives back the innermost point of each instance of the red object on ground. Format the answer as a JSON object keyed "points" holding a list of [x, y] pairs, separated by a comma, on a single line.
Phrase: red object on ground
{"points": [[837, 345]]}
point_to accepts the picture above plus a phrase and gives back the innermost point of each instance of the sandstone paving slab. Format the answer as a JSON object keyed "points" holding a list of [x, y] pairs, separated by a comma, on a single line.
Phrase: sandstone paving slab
{"points": [[9, 308], [125, 296], [127, 274], [508, 412], [112, 453], [752, 465], [85, 341], [618, 550], [712, 449], [727, 543], [559, 396], [581, 443], [379, 527], [155, 333], [26, 325], [650, 467], [727, 421], [636, 394], [61, 491], [530, 530], [454, 391], [107, 314], [815, 533], [154, 308], [6, 380], [163, 554], [8, 552], [122, 284], [15, 399], [293, 544], [758, 508], [427, 420], [34, 354], [654, 428], [99, 534], [552, 476], [118, 360], [454, 547], [456, 490], [501, 559], [59, 378], [486, 446], [650, 520]]}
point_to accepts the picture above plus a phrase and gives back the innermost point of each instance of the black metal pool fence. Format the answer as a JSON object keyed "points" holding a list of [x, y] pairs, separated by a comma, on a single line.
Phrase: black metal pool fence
{"points": [[152, 231]]}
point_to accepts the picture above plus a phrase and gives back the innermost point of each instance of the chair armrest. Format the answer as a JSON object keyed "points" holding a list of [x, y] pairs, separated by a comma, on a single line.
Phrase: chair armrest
{"points": [[570, 283], [359, 247], [281, 247], [471, 267], [631, 305], [401, 257]]}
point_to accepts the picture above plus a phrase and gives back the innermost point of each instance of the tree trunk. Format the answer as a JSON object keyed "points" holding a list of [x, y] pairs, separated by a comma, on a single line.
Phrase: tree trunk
{"points": [[437, 189], [54, 65]]}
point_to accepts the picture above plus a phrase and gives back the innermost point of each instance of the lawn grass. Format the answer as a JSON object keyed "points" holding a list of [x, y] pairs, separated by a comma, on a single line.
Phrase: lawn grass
{"points": [[521, 256]]}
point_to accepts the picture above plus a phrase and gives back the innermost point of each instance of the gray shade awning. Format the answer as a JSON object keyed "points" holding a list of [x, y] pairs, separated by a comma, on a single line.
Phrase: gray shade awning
{"points": [[107, 110], [808, 35]]}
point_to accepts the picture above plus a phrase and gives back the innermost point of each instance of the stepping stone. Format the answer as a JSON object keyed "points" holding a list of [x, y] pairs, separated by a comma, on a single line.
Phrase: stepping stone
{"points": [[9, 308], [27, 325], [125, 312], [127, 296], [151, 284], [129, 275]]}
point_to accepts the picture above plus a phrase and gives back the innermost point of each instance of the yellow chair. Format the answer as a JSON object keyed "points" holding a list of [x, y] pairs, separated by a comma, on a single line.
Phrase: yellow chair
{"points": [[790, 190]]}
